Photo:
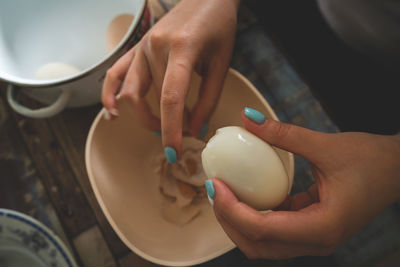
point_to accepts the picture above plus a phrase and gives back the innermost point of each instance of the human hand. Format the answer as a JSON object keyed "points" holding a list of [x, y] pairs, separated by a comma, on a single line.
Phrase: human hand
{"points": [[193, 36], [357, 176]]}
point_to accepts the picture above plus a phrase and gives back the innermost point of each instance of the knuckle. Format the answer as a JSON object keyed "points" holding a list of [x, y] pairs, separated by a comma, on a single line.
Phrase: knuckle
{"points": [[224, 206], [181, 65], [128, 94], [182, 40], [156, 38], [170, 98], [279, 130], [111, 74]]}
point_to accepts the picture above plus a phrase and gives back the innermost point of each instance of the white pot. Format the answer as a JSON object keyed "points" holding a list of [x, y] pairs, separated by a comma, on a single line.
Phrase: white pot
{"points": [[34, 33]]}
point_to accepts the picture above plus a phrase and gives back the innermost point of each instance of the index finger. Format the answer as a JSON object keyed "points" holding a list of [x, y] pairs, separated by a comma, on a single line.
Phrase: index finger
{"points": [[173, 94], [114, 78]]}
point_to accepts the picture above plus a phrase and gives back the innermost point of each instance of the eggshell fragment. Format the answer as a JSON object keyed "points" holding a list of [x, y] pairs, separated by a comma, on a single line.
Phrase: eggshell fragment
{"points": [[248, 166]]}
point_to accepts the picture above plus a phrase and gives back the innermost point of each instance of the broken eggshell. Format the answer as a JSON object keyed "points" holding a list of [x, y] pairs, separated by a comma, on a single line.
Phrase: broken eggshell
{"points": [[182, 183]]}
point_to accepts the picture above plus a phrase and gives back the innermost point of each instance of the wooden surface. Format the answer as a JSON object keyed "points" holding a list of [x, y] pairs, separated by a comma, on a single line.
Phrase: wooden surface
{"points": [[42, 168]]}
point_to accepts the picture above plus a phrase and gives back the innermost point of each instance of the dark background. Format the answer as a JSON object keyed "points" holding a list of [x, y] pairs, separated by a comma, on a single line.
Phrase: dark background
{"points": [[356, 92]]}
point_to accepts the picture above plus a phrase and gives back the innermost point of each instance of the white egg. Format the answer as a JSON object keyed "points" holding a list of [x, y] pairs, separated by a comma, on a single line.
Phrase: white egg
{"points": [[55, 70], [248, 166]]}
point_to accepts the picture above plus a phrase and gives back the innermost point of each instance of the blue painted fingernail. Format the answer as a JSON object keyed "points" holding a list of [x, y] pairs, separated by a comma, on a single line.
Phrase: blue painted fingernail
{"points": [[158, 133], [204, 130], [210, 189], [254, 115], [170, 154]]}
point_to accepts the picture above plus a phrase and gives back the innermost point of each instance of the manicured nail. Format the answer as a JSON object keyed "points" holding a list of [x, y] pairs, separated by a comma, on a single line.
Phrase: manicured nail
{"points": [[204, 130], [210, 191], [158, 133], [254, 115], [106, 115], [170, 154], [114, 112]]}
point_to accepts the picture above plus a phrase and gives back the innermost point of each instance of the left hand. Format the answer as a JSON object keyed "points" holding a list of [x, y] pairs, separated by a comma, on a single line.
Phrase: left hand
{"points": [[357, 176], [193, 36]]}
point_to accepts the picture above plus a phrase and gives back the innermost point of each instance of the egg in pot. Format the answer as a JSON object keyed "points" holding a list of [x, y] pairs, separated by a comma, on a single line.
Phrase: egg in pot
{"points": [[117, 29], [248, 166], [55, 70]]}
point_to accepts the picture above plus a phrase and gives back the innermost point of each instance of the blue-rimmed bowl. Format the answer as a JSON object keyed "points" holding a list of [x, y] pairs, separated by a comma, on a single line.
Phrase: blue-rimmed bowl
{"points": [[25, 241]]}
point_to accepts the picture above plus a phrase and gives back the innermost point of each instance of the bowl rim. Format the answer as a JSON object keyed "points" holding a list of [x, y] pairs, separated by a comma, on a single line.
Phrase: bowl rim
{"points": [[46, 231], [111, 220]]}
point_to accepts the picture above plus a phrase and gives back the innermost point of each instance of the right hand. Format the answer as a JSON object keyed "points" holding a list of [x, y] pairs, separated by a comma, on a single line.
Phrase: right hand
{"points": [[357, 176], [193, 36]]}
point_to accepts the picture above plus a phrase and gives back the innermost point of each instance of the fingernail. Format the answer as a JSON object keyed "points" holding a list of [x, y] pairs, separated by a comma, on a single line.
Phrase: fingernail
{"points": [[170, 154], [106, 115], [158, 133], [210, 191], [254, 115], [114, 112], [204, 130]]}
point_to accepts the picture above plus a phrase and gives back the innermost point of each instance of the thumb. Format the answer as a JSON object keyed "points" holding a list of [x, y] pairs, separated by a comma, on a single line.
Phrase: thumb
{"points": [[292, 138], [239, 215], [301, 227]]}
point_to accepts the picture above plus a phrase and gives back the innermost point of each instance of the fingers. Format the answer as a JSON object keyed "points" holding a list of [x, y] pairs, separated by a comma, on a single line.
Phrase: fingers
{"points": [[173, 94], [300, 200], [245, 244], [311, 225], [273, 250], [301, 141], [249, 231], [210, 92], [135, 87], [114, 77], [237, 213]]}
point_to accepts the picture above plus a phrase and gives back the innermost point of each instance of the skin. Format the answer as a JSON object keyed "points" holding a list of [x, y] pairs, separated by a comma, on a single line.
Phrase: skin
{"points": [[193, 36], [357, 176]]}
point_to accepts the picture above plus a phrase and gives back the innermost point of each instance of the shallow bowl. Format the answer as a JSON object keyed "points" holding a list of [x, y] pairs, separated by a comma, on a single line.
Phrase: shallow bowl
{"points": [[119, 158]]}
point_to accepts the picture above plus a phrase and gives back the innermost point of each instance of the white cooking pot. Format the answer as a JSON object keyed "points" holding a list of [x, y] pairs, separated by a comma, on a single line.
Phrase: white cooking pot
{"points": [[34, 33]]}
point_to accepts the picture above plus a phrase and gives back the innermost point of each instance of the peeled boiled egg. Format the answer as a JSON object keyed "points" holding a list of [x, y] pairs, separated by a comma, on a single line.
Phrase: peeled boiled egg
{"points": [[55, 70], [117, 29], [248, 166]]}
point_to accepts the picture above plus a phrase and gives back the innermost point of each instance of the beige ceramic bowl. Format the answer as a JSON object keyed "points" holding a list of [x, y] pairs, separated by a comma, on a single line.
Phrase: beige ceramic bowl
{"points": [[119, 158]]}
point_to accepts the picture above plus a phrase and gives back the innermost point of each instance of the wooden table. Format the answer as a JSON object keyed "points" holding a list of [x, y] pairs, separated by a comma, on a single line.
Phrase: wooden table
{"points": [[42, 168]]}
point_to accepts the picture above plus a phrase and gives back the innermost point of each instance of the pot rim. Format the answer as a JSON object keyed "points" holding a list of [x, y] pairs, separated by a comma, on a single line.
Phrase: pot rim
{"points": [[132, 31]]}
